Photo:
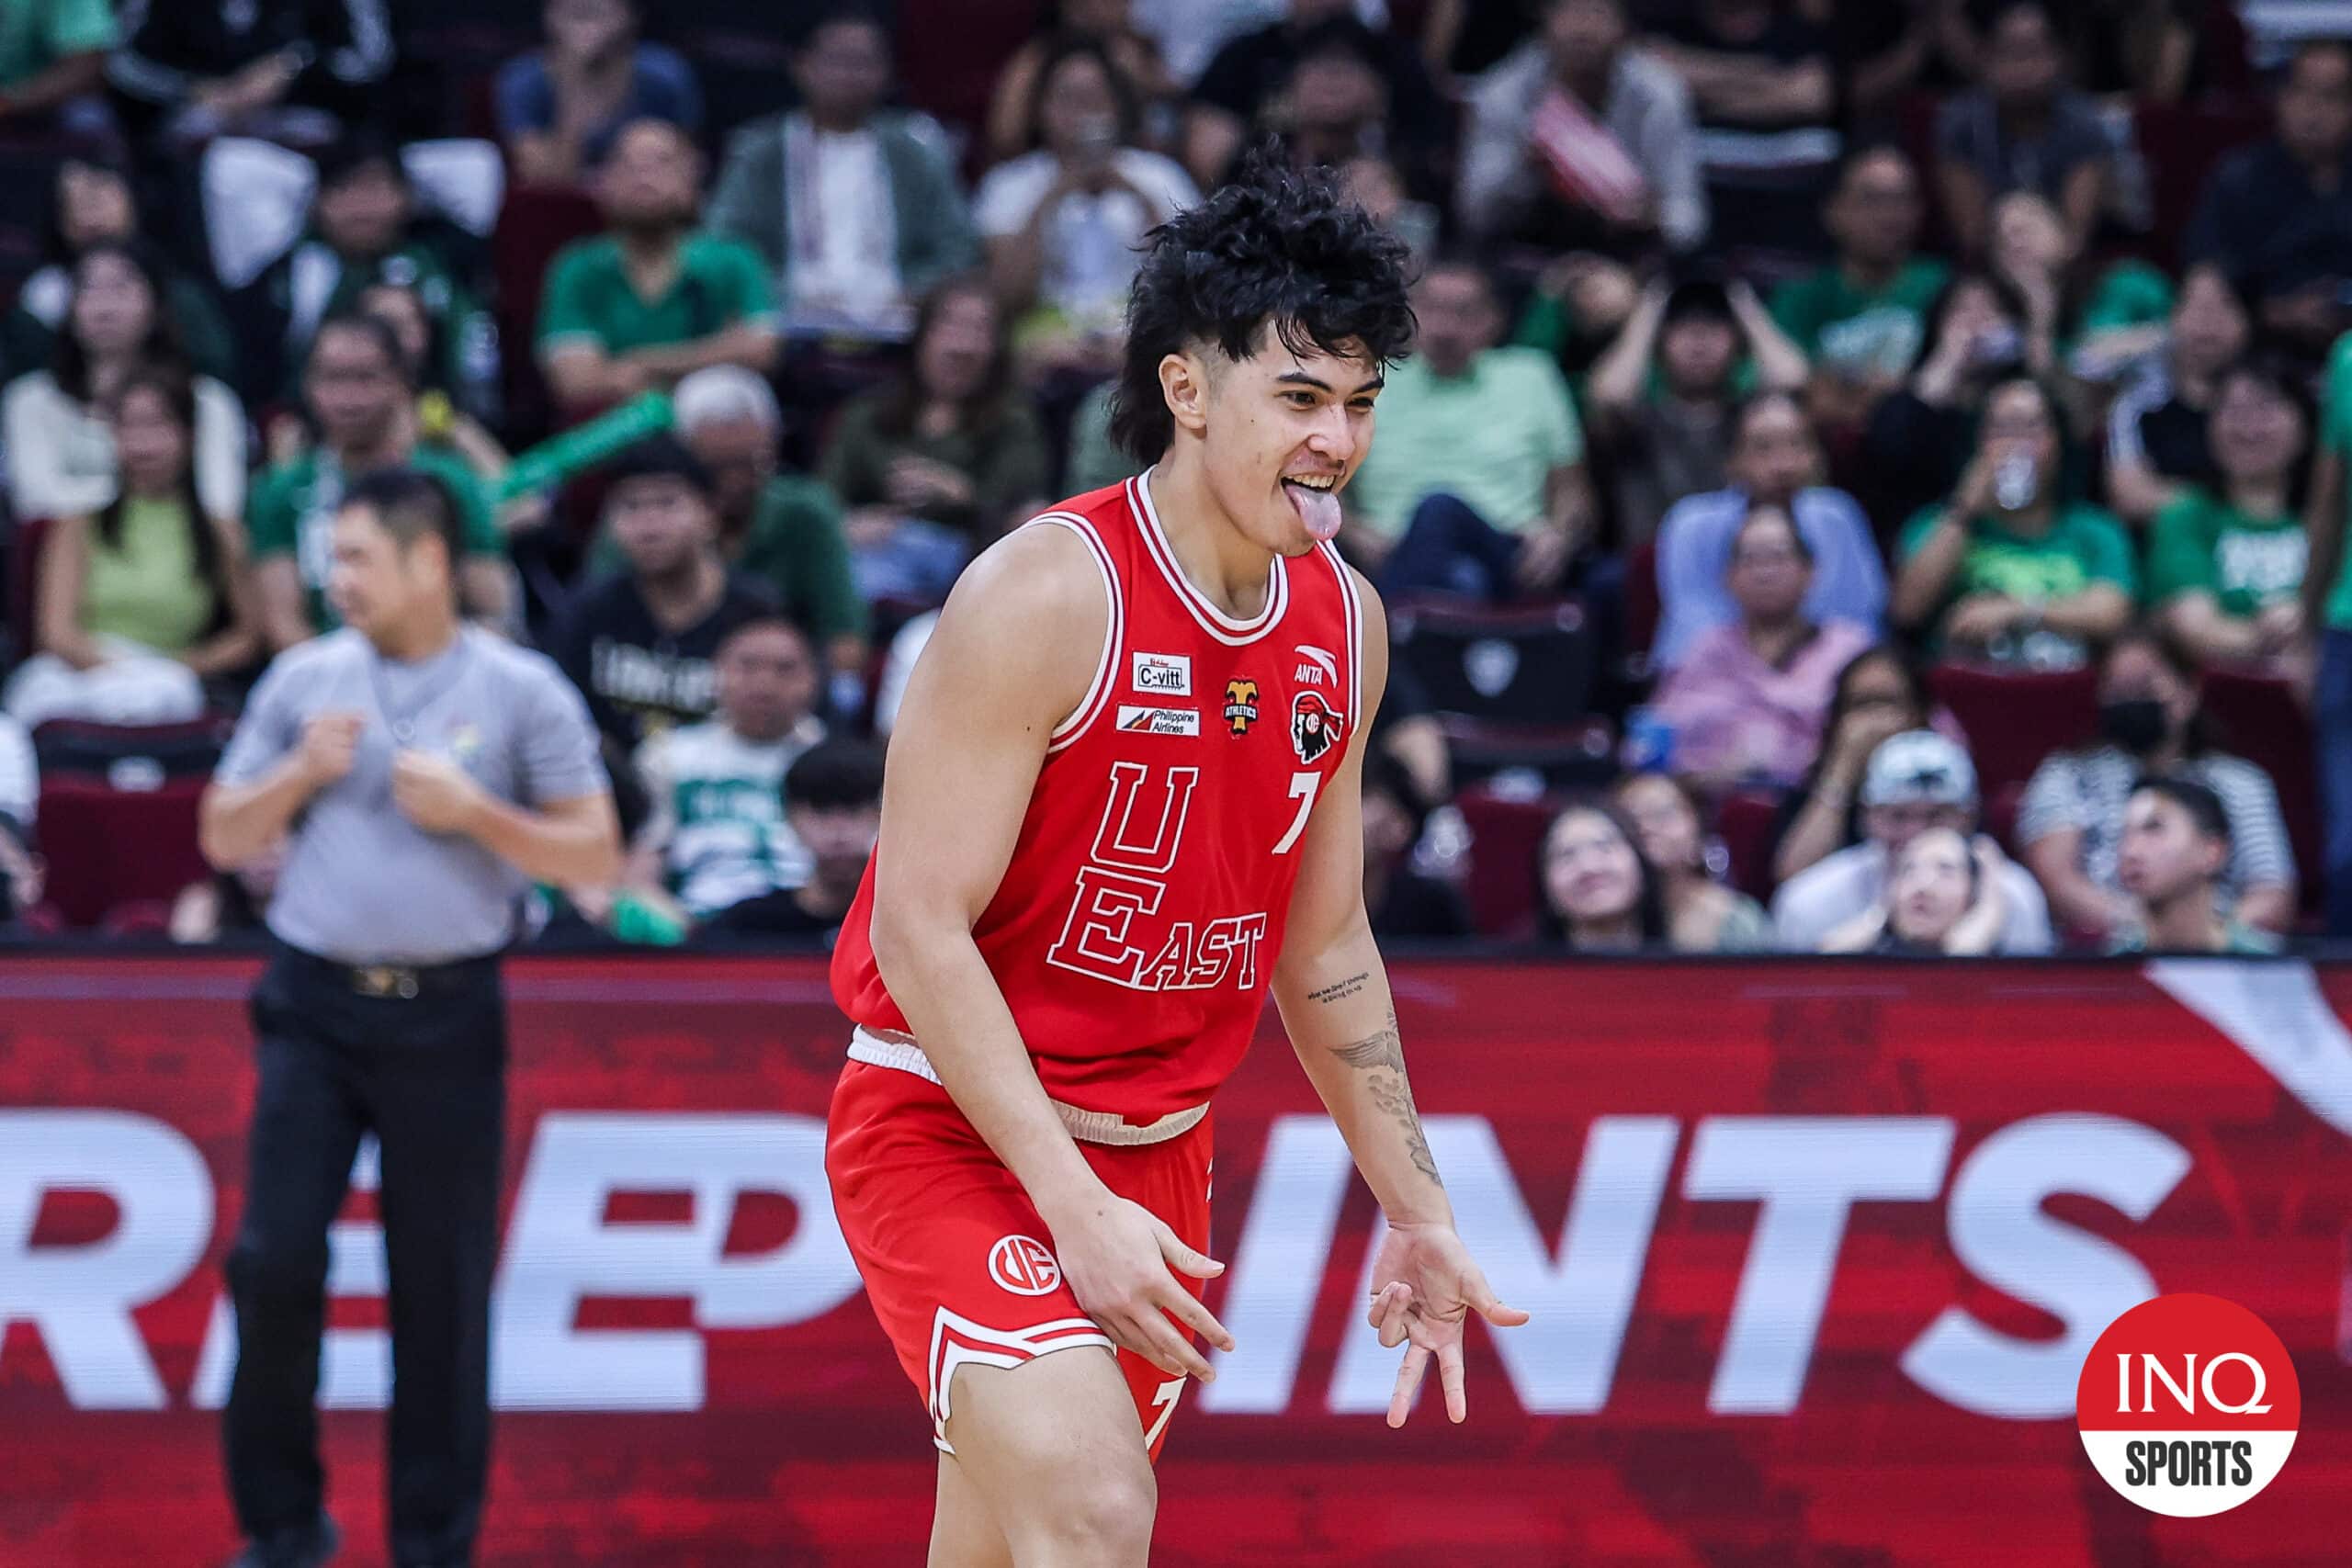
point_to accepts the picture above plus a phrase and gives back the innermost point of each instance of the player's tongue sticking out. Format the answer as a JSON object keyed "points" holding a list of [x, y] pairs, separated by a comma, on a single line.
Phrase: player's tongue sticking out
{"points": [[1318, 509]]}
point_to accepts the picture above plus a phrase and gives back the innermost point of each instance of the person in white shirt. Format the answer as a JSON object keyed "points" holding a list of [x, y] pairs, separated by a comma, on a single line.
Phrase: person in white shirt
{"points": [[855, 206], [1062, 223], [53, 422], [1916, 781], [715, 832]]}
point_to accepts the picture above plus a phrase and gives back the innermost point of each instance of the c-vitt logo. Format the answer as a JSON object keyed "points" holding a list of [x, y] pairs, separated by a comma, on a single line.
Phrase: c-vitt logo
{"points": [[2188, 1404]]}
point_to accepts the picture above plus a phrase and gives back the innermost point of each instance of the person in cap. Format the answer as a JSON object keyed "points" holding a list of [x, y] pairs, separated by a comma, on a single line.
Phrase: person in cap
{"points": [[2176, 845], [420, 774], [1916, 781]]}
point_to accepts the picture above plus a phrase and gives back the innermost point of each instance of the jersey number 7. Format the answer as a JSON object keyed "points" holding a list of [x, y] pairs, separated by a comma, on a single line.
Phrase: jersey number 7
{"points": [[1302, 789]]}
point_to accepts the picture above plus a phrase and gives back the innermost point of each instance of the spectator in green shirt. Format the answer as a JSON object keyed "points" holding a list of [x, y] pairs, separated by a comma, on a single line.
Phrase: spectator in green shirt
{"points": [[365, 230], [2328, 603], [783, 529], [2225, 565], [357, 390], [2009, 569], [1478, 479], [2101, 320], [1860, 320], [52, 52], [935, 466], [655, 299]]}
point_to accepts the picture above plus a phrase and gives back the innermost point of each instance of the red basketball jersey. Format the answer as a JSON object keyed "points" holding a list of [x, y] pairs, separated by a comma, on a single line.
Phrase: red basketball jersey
{"points": [[1144, 905]]}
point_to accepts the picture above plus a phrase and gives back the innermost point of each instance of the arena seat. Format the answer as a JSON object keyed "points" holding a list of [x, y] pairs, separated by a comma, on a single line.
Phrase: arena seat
{"points": [[1580, 755], [535, 224], [1642, 608], [1527, 664], [951, 51], [1743, 823], [2262, 721], [1505, 831], [106, 846], [2016, 717]]}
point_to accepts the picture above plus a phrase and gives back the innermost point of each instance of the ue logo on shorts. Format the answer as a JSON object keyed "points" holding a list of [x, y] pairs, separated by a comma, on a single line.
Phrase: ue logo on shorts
{"points": [[1022, 1265]]}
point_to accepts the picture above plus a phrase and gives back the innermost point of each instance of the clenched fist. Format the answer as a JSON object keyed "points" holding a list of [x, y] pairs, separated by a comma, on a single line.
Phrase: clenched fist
{"points": [[434, 793], [330, 740]]}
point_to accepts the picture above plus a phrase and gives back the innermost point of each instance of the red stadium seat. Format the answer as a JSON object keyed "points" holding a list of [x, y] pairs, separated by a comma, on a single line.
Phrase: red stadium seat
{"points": [[1743, 822], [2262, 721], [950, 52], [1640, 600], [536, 222], [2181, 145], [2016, 717], [1505, 833], [107, 846], [1525, 664], [1564, 756]]}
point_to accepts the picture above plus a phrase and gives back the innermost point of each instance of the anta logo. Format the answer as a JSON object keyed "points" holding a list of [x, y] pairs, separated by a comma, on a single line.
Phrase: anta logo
{"points": [[1241, 705], [1321, 666], [1314, 728]]}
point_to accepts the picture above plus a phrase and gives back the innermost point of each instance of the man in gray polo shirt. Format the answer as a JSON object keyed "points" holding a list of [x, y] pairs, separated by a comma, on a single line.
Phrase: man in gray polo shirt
{"points": [[422, 773]]}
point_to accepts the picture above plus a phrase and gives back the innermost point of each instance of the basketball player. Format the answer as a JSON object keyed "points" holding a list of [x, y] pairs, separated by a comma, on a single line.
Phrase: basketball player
{"points": [[1122, 798]]}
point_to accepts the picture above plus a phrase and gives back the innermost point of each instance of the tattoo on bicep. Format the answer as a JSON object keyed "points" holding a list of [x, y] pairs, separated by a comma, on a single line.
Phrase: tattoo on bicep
{"points": [[1383, 1056], [1341, 990]]}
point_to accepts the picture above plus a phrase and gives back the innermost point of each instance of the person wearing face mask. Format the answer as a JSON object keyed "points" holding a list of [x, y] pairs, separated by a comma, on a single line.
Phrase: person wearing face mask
{"points": [[2070, 822], [2010, 571], [1943, 900]]}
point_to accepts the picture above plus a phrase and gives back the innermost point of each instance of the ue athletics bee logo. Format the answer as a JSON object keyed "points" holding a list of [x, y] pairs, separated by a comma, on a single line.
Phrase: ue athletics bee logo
{"points": [[1241, 705], [1314, 728], [1022, 1265]]}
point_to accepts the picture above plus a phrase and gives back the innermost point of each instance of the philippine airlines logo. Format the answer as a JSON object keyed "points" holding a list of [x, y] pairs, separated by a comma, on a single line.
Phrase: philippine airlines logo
{"points": [[2189, 1405], [1022, 1265], [1137, 720]]}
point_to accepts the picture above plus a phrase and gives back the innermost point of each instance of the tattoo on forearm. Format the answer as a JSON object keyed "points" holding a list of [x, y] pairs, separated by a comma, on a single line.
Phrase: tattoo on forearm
{"points": [[1383, 1056], [1341, 990]]}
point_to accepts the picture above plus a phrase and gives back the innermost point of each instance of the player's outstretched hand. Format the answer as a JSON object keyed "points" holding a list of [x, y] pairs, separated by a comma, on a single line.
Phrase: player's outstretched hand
{"points": [[1117, 1260], [1424, 1287]]}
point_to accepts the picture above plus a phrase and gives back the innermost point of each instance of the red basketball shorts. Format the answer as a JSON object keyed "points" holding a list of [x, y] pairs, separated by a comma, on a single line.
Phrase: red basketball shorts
{"points": [[958, 1266]]}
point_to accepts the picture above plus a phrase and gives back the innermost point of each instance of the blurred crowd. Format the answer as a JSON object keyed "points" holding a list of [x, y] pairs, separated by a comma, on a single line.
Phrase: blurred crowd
{"points": [[1871, 478]]}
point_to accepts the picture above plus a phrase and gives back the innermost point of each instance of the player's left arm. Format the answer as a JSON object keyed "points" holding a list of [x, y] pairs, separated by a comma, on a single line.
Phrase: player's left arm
{"points": [[1333, 990]]}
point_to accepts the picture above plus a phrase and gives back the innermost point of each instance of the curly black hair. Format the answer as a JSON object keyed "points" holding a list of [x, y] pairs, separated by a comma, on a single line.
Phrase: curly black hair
{"points": [[1276, 247]]}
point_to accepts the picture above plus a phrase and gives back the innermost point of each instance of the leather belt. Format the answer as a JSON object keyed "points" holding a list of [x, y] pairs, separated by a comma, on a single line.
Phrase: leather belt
{"points": [[888, 1048]]}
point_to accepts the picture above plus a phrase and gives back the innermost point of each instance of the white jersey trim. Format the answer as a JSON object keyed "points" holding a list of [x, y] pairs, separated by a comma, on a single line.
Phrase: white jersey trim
{"points": [[1351, 603], [1098, 692], [956, 1340], [1086, 1126], [1225, 629]]}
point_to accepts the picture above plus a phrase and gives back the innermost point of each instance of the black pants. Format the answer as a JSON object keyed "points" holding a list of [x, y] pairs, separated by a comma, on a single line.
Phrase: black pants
{"points": [[426, 1074]]}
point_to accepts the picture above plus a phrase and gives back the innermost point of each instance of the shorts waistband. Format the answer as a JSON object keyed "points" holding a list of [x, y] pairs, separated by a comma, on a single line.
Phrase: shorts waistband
{"points": [[889, 1049]]}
